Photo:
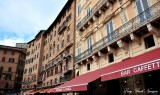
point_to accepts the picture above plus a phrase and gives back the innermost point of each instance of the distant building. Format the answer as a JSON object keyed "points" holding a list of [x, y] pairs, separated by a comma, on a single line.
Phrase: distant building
{"points": [[33, 63], [22, 45], [12, 61], [50, 56]]}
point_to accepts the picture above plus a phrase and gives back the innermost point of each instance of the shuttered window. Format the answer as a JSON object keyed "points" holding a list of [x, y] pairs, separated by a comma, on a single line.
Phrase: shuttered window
{"points": [[110, 32]]}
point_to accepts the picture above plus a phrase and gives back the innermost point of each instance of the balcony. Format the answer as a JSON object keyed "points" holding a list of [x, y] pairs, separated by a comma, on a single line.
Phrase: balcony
{"points": [[40, 80], [6, 87], [146, 20], [100, 6], [65, 79], [62, 27]]}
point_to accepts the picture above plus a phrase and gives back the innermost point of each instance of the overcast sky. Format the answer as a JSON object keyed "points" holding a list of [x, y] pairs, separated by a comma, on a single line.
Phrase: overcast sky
{"points": [[21, 20]]}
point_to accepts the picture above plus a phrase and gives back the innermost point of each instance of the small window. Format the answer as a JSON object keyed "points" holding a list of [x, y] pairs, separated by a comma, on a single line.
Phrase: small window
{"points": [[1, 70], [57, 47], [149, 41], [43, 58], [37, 55], [77, 73], [11, 60], [5, 52], [88, 67], [9, 69], [68, 37], [52, 72], [3, 59], [62, 43], [79, 9], [12, 52], [36, 66], [54, 33], [110, 58]]}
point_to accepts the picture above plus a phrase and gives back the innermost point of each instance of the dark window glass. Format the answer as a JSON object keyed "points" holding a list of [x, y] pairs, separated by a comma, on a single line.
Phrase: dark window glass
{"points": [[88, 67], [3, 59], [9, 69], [11, 60], [149, 41], [110, 58]]}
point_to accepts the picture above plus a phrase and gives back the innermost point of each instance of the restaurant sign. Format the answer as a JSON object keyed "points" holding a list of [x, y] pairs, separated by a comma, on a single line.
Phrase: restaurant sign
{"points": [[133, 70]]}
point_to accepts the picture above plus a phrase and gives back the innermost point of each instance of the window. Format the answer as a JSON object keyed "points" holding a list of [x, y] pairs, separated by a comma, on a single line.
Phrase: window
{"points": [[79, 9], [88, 67], [89, 44], [11, 60], [56, 69], [43, 58], [110, 58], [37, 55], [25, 71], [29, 45], [12, 52], [50, 82], [57, 47], [9, 69], [3, 59], [46, 56], [8, 77], [5, 51], [52, 72], [67, 51], [61, 68], [79, 52], [50, 37], [149, 41], [50, 47], [55, 80], [36, 66], [110, 32], [79, 24], [1, 70], [68, 37], [48, 73], [62, 44], [34, 57], [142, 5], [54, 33], [34, 77], [88, 12], [33, 67], [54, 44], [77, 73]]}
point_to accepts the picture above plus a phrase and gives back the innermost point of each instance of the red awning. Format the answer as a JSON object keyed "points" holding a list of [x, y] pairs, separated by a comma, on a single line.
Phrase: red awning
{"points": [[150, 59], [143, 63], [77, 84], [45, 90], [36, 91]]}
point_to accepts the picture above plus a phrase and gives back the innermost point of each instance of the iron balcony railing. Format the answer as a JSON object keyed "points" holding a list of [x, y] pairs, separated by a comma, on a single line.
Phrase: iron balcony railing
{"points": [[62, 27], [65, 79], [132, 25], [98, 5]]}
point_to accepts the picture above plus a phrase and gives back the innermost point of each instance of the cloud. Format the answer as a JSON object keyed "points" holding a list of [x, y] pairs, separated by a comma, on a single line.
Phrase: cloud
{"points": [[23, 19], [11, 41]]}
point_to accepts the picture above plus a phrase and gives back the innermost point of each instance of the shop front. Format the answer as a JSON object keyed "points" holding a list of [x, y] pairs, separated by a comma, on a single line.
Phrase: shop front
{"points": [[138, 75], [135, 76]]}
